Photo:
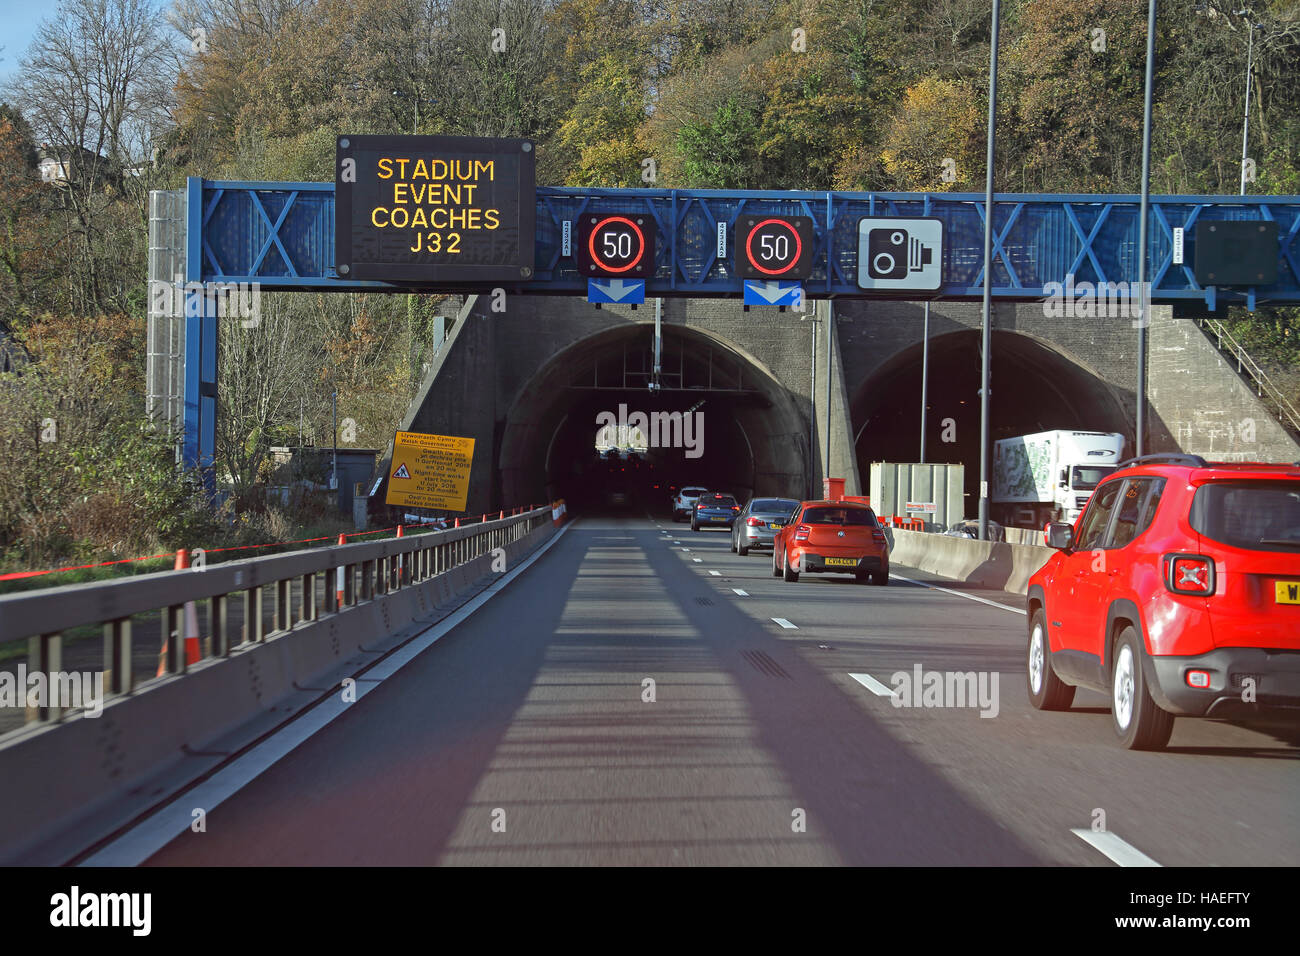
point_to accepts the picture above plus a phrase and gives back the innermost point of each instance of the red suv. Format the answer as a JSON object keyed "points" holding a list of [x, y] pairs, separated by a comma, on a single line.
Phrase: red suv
{"points": [[1177, 592]]}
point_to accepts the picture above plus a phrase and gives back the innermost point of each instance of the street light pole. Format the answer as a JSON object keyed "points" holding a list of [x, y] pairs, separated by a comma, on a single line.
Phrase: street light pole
{"points": [[830, 352], [1144, 300], [1245, 123], [986, 332], [925, 374], [334, 404]]}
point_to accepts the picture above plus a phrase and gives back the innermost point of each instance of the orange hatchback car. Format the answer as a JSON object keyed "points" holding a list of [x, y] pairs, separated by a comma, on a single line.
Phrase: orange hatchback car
{"points": [[832, 537]]}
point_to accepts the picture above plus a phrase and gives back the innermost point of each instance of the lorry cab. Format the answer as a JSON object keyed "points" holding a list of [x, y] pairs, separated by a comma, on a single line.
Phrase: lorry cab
{"points": [[1049, 476], [1076, 484]]}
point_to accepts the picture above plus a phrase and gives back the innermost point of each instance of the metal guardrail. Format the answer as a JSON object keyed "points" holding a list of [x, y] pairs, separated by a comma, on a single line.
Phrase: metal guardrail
{"points": [[370, 569], [1287, 413]]}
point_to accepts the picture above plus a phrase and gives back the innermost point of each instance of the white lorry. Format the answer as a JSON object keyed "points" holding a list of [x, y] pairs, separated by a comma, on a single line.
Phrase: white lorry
{"points": [[1049, 476]]}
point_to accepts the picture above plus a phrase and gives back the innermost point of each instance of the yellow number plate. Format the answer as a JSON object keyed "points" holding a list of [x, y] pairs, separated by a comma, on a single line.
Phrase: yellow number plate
{"points": [[1288, 592], [841, 562], [776, 527]]}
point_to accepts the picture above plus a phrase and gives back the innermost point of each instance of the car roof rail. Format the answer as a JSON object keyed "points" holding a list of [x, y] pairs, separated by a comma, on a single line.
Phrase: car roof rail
{"points": [[1194, 461]]}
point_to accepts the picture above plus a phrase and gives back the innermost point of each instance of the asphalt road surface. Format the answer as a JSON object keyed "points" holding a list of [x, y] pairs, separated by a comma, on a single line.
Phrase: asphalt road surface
{"points": [[526, 735]]}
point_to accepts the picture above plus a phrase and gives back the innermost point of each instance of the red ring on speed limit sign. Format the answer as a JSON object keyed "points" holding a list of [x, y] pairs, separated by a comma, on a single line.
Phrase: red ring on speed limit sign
{"points": [[595, 230], [749, 248]]}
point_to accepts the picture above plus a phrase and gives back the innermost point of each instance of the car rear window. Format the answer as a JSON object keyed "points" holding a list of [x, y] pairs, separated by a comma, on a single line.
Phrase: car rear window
{"points": [[693, 492], [853, 516], [774, 505], [1254, 515], [719, 501]]}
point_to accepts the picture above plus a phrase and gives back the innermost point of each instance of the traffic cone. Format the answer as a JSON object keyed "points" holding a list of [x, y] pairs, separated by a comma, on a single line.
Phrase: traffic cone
{"points": [[457, 522], [189, 624], [338, 579], [501, 515]]}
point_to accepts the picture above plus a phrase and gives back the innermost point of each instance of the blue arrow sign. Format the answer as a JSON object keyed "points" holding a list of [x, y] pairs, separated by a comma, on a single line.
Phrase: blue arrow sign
{"points": [[759, 292], [626, 291]]}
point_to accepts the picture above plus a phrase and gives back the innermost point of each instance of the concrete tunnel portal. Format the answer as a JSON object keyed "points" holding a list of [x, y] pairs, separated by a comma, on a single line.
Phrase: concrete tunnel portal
{"points": [[740, 430], [1032, 388]]}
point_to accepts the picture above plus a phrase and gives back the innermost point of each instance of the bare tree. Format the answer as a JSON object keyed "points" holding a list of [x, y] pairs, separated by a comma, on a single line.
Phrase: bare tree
{"points": [[95, 87], [491, 67]]}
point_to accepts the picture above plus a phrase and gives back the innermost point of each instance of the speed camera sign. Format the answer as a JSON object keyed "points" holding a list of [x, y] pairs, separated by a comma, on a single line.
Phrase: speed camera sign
{"points": [[900, 254]]}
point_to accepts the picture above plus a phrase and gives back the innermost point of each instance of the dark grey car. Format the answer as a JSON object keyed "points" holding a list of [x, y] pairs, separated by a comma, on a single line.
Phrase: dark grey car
{"points": [[759, 521]]}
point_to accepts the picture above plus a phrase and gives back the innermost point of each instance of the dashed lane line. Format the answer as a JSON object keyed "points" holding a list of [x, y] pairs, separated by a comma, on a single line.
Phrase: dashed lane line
{"points": [[873, 685], [1113, 848]]}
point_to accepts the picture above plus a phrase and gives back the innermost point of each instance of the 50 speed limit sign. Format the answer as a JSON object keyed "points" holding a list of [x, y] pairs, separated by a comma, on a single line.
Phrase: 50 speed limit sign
{"points": [[621, 245], [774, 247]]}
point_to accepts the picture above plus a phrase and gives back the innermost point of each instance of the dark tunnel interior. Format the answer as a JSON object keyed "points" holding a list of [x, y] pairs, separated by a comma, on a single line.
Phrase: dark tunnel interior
{"points": [[1032, 388], [716, 420]]}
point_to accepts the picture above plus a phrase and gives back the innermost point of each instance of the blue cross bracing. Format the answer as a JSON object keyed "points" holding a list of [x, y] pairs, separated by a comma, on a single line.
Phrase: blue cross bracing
{"points": [[281, 235]]}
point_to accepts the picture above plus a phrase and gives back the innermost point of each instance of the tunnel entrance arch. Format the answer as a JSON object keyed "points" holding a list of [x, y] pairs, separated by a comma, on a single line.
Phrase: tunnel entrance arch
{"points": [[1033, 387], [719, 418]]}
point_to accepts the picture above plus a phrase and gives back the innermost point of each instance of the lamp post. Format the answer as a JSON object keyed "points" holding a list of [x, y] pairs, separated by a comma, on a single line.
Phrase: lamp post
{"points": [[334, 406], [925, 374], [986, 332], [1245, 123], [1144, 300]]}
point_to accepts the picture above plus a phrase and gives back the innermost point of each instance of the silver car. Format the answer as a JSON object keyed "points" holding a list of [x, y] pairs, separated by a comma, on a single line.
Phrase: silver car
{"points": [[759, 521], [684, 501]]}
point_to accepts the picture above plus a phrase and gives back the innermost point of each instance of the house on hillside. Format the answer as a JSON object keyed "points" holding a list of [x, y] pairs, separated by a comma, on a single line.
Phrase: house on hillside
{"points": [[58, 164]]}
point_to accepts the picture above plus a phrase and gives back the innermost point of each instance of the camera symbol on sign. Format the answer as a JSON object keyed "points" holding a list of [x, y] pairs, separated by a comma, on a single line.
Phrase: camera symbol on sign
{"points": [[900, 253], [894, 253]]}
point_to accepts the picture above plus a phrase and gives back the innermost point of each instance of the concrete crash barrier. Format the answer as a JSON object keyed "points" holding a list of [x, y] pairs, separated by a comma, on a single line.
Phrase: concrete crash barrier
{"points": [[989, 564], [71, 783], [1028, 536]]}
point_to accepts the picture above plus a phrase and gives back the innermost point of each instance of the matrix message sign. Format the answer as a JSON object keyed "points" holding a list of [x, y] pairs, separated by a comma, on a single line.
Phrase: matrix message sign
{"points": [[774, 247], [620, 244], [434, 209]]}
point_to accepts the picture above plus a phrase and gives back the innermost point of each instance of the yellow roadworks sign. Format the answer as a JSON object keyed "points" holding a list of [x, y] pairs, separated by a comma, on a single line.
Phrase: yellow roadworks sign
{"points": [[430, 471]]}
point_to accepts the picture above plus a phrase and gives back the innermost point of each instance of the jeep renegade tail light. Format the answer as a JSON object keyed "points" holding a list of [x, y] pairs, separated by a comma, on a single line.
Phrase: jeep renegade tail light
{"points": [[1189, 574]]}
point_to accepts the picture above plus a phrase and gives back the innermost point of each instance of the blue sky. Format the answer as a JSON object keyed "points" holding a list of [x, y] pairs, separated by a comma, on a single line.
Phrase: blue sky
{"points": [[18, 22]]}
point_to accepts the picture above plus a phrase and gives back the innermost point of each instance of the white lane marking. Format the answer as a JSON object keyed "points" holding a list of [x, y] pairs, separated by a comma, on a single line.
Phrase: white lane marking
{"points": [[698, 560], [676, 542], [873, 685], [969, 597], [156, 831], [686, 549], [1113, 847], [716, 574], [784, 623], [740, 592]]}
